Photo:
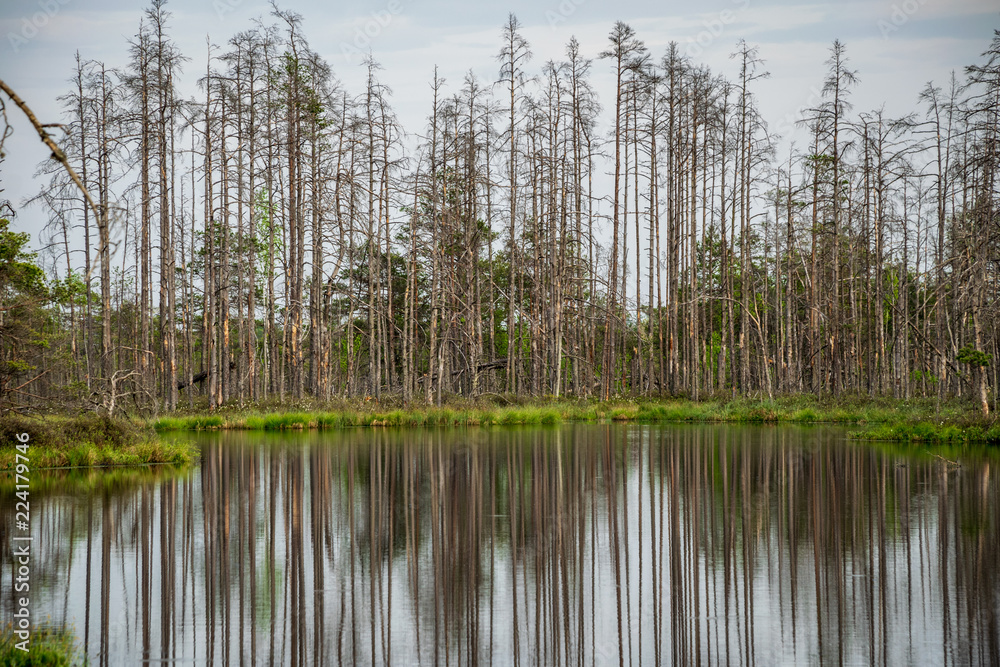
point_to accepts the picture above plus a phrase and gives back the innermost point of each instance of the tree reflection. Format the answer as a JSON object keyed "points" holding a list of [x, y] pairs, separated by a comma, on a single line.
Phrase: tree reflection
{"points": [[566, 546]]}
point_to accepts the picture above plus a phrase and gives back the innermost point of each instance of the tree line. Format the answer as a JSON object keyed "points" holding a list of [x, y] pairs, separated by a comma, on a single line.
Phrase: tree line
{"points": [[279, 236]]}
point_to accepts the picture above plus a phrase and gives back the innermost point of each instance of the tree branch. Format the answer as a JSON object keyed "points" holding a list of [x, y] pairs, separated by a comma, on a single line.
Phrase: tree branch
{"points": [[57, 153]]}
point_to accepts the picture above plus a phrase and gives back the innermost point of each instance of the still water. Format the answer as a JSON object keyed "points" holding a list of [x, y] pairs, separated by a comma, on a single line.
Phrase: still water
{"points": [[573, 545]]}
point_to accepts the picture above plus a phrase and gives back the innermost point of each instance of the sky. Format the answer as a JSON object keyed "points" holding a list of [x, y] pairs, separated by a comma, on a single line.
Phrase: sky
{"points": [[896, 47]]}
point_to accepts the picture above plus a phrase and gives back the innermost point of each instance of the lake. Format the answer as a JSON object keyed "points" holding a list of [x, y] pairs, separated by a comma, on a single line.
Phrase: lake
{"points": [[581, 544]]}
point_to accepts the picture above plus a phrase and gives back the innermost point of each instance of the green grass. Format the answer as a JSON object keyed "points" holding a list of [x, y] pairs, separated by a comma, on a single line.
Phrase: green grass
{"points": [[287, 420], [88, 455], [517, 411], [189, 423], [805, 416], [88, 441], [48, 647], [931, 433]]}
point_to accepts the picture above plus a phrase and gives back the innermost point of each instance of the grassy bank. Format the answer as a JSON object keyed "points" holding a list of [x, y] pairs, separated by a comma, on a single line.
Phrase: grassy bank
{"points": [[87, 441], [48, 647], [800, 409], [933, 433]]}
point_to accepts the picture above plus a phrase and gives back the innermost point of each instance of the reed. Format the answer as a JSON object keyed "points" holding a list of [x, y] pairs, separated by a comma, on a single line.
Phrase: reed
{"points": [[49, 647], [190, 423]]}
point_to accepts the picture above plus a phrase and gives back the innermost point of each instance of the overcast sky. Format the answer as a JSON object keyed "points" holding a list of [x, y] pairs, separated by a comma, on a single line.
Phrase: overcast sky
{"points": [[896, 46]]}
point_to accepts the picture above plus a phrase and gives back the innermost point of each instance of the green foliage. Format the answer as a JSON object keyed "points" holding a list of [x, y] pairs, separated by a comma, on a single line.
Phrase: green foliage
{"points": [[298, 77], [20, 277], [71, 290], [15, 367], [973, 357], [931, 433], [263, 234], [23, 296]]}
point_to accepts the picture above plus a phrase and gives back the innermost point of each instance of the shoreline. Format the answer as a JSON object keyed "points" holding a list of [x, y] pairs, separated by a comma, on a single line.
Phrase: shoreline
{"points": [[917, 420], [86, 442], [90, 442]]}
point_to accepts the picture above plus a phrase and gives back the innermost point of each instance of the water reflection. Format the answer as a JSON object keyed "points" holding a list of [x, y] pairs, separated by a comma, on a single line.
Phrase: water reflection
{"points": [[580, 545]]}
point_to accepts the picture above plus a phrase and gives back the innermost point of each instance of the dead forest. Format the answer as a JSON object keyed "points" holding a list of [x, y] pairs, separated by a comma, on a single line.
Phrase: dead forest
{"points": [[278, 236]]}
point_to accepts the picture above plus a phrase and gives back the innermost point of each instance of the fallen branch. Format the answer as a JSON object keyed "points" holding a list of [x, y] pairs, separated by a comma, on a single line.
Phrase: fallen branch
{"points": [[57, 153], [948, 461], [30, 381]]}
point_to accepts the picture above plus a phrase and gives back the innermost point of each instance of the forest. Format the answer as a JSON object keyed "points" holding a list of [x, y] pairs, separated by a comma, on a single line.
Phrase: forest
{"points": [[279, 237]]}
